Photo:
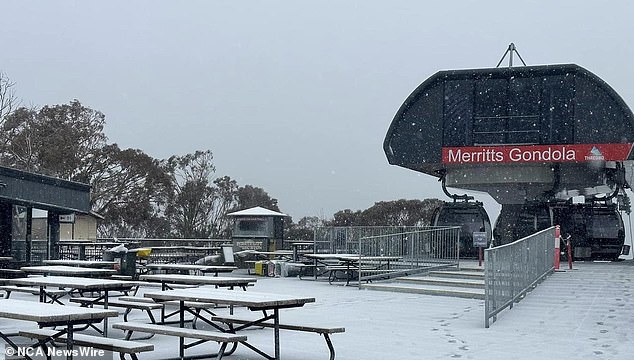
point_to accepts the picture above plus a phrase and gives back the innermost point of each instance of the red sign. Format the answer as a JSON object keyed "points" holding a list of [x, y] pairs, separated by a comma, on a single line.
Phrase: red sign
{"points": [[535, 153]]}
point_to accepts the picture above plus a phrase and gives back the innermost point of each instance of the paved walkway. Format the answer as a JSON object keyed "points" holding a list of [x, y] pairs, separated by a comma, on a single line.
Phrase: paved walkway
{"points": [[584, 313]]}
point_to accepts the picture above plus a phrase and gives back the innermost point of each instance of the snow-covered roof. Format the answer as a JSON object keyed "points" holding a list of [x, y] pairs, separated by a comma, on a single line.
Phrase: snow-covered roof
{"points": [[256, 211]]}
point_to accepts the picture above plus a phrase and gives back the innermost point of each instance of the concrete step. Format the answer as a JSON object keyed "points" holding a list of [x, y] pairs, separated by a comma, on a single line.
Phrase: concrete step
{"points": [[458, 274], [442, 281], [427, 290], [472, 267]]}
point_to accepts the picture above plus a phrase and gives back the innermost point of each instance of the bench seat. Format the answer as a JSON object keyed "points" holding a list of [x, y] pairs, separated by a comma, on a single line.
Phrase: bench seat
{"points": [[191, 304], [158, 284], [121, 303], [268, 324], [98, 342], [12, 273], [196, 305], [52, 294], [118, 303], [201, 335], [349, 271], [25, 289], [325, 331]]}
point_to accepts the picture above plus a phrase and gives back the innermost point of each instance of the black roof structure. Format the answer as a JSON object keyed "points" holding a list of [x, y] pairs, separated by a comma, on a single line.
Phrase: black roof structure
{"points": [[530, 105], [43, 192]]}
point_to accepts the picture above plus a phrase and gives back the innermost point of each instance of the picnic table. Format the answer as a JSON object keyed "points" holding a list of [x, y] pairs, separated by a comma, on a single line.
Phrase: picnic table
{"points": [[219, 281], [300, 248], [103, 286], [46, 315], [64, 270], [269, 304], [82, 263], [349, 263], [191, 267], [4, 262]]}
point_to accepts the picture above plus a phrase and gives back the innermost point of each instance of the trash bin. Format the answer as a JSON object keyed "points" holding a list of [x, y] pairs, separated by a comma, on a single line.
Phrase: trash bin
{"points": [[261, 267], [126, 261]]}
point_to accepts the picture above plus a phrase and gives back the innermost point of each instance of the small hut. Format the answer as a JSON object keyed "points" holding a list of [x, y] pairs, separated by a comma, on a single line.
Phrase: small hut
{"points": [[257, 228]]}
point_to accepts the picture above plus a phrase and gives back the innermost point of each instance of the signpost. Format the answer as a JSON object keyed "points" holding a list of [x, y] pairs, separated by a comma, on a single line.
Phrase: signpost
{"points": [[479, 241]]}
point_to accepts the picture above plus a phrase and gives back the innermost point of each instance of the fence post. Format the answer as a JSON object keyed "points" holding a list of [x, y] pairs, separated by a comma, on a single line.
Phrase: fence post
{"points": [[511, 275], [557, 247], [569, 252]]}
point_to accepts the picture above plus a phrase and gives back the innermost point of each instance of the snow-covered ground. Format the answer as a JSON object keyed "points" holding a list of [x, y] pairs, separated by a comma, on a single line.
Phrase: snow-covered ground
{"points": [[586, 313]]}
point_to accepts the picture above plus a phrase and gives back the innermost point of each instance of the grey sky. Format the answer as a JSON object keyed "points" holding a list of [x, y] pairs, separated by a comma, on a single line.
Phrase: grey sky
{"points": [[292, 96]]}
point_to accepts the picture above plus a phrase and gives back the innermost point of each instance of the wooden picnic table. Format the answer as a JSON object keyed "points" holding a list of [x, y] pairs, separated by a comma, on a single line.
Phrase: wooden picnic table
{"points": [[77, 283], [218, 281], [46, 315], [64, 270], [83, 263], [297, 249], [351, 262], [191, 267], [254, 301]]}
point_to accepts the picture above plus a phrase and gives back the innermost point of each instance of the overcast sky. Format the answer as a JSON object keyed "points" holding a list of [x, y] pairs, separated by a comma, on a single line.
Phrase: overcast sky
{"points": [[292, 96]]}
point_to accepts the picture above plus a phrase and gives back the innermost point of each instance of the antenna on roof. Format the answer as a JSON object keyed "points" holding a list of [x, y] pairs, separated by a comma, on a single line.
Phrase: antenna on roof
{"points": [[511, 49]]}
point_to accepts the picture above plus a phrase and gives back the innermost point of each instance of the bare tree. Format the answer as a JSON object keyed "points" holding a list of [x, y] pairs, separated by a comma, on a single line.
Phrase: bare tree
{"points": [[8, 101]]}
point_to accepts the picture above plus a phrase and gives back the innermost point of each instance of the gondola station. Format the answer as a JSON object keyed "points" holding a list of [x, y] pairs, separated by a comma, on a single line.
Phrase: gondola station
{"points": [[552, 144]]}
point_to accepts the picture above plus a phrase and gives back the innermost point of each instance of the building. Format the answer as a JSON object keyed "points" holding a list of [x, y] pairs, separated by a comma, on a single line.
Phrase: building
{"points": [[23, 192], [258, 228]]}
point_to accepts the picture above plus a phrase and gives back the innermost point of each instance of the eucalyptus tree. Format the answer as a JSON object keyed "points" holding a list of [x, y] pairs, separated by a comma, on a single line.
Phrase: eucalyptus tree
{"points": [[190, 203], [68, 141]]}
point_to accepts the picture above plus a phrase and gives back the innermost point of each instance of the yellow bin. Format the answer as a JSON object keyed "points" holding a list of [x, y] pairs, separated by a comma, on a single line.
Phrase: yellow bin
{"points": [[261, 268], [143, 252]]}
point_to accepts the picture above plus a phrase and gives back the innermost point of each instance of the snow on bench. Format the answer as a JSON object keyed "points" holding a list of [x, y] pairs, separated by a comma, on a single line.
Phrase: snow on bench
{"points": [[53, 295], [202, 335], [98, 342], [325, 331], [122, 303]]}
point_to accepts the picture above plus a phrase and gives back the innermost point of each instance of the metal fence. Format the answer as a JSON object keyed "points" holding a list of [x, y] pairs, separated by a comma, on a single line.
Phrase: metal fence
{"points": [[511, 270], [345, 239], [163, 250], [85, 250], [389, 251], [400, 254]]}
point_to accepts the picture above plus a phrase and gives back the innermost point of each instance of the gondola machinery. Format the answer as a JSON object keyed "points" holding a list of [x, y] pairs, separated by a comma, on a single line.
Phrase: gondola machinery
{"points": [[470, 215], [595, 227], [532, 137]]}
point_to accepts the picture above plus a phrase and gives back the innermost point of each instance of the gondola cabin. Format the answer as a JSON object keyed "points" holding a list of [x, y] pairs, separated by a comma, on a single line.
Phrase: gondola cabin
{"points": [[471, 217]]}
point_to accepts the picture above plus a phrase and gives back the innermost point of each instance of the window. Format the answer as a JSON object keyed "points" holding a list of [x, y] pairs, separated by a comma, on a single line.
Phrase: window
{"points": [[251, 225]]}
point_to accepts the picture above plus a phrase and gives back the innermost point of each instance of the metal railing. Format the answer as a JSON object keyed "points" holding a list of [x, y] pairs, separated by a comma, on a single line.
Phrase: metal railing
{"points": [[345, 239], [511, 270], [389, 251], [163, 250], [406, 253], [85, 250]]}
